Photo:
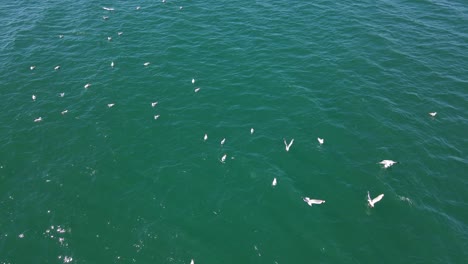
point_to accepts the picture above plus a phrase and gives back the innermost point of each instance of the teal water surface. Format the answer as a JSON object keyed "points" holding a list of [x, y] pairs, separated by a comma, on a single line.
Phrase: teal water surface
{"points": [[100, 184]]}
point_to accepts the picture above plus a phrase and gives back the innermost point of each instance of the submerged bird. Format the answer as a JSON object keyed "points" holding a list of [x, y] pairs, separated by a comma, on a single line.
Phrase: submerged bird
{"points": [[274, 182], [223, 158], [39, 119], [146, 63], [288, 145], [33, 97], [87, 85], [205, 137], [375, 200], [197, 89], [153, 104], [320, 140], [57, 67], [64, 112], [252, 131], [387, 163], [433, 114], [223, 140], [110, 105], [310, 202]]}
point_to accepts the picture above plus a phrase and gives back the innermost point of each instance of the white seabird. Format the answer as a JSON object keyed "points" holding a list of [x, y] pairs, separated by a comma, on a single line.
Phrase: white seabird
{"points": [[146, 63], [274, 182], [110, 105], [223, 140], [33, 97], [387, 163], [87, 85], [137, 8], [62, 94], [39, 119], [119, 33], [223, 158], [433, 114], [105, 17], [252, 131], [153, 104], [375, 200], [192, 262], [64, 112], [60, 36], [310, 202], [320, 140], [57, 67], [288, 145], [112, 64], [156, 117], [109, 38], [197, 89], [108, 8], [205, 137], [32, 67], [193, 81]]}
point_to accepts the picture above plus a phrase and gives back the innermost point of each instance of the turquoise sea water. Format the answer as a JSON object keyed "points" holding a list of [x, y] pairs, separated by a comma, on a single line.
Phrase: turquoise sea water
{"points": [[116, 185]]}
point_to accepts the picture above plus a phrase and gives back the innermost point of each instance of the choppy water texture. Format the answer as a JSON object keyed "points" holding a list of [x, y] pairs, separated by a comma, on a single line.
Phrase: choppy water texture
{"points": [[116, 185]]}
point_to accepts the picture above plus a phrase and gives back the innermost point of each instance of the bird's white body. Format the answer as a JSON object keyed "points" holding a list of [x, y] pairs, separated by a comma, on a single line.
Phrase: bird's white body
{"points": [[252, 131], [110, 105], [32, 67], [387, 163], [320, 140], [62, 94], [64, 112], [119, 33], [192, 262], [433, 114], [153, 104], [112, 64], [274, 182], [372, 202], [223, 140], [193, 81], [146, 63], [223, 158], [57, 67], [288, 145], [87, 85], [108, 8], [33, 97], [310, 202], [39, 119], [109, 38], [197, 89], [156, 117]]}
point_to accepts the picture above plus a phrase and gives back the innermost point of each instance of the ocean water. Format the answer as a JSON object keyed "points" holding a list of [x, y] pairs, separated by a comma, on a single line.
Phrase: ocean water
{"points": [[103, 184]]}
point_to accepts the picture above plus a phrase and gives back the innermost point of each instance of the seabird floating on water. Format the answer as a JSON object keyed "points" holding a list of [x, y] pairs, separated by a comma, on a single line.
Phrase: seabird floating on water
{"points": [[191, 262], [310, 202], [252, 131], [33, 97], [119, 33], [223, 140], [320, 140], [110, 105], [223, 158], [156, 117], [39, 119], [288, 145], [433, 114], [112, 64], [375, 200], [60, 36], [137, 8], [62, 94], [274, 182], [87, 85], [32, 67], [109, 38], [108, 8], [105, 17], [197, 89], [387, 163], [146, 63], [205, 137], [64, 112], [153, 104], [193, 81], [57, 67]]}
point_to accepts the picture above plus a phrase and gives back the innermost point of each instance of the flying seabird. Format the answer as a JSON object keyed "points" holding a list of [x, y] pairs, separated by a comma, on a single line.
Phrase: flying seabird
{"points": [[387, 163], [87, 85], [310, 202], [320, 140], [274, 182], [433, 114], [288, 145], [375, 200], [39, 119], [205, 137]]}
